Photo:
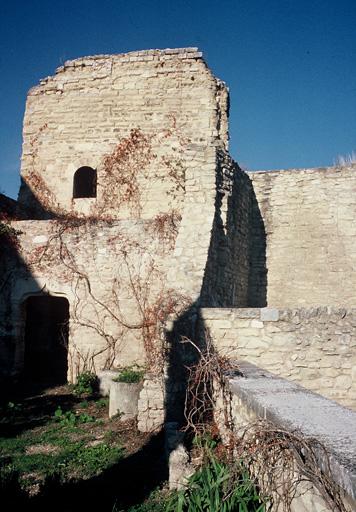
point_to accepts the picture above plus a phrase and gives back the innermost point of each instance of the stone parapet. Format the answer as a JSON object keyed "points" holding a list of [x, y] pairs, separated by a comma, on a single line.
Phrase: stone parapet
{"points": [[315, 347], [258, 394]]}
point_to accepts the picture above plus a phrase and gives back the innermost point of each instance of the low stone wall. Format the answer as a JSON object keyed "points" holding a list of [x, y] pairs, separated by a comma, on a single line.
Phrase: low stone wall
{"points": [[257, 394], [151, 402], [314, 347]]}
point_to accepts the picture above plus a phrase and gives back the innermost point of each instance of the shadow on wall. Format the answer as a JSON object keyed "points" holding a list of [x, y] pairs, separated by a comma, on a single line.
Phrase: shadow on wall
{"points": [[84, 186], [235, 276], [236, 273], [33, 324], [32, 208]]}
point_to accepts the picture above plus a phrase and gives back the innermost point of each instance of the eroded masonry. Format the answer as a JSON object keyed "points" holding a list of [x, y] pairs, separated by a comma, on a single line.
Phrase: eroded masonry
{"points": [[131, 213]]}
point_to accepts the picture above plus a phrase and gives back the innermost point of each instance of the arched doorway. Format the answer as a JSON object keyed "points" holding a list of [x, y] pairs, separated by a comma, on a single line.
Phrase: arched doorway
{"points": [[46, 339]]}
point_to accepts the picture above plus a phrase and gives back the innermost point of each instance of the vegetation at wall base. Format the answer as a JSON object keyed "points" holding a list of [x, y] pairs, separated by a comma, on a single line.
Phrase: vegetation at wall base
{"points": [[86, 384], [220, 484], [217, 487]]}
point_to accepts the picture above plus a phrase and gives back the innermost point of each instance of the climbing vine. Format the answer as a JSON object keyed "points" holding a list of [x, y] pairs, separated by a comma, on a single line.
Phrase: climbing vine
{"points": [[129, 299], [136, 302]]}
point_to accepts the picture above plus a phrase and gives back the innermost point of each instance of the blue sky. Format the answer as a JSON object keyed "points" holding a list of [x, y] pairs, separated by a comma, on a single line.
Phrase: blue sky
{"points": [[290, 66]]}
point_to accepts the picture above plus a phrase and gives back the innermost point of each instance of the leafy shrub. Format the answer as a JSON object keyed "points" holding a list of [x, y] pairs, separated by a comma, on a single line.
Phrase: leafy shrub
{"points": [[130, 375], [86, 384]]}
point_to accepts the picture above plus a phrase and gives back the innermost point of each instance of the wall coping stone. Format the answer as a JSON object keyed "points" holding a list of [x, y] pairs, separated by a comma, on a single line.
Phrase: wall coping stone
{"points": [[304, 170], [292, 407]]}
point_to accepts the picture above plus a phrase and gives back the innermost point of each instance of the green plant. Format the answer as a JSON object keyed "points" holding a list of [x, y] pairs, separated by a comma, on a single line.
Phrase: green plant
{"points": [[102, 403], [86, 384], [13, 408], [130, 375], [217, 486], [94, 459], [64, 418], [156, 502], [69, 418], [85, 418]]}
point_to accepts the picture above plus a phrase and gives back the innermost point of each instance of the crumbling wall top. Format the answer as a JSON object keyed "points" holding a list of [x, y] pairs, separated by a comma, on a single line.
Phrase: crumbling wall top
{"points": [[155, 55]]}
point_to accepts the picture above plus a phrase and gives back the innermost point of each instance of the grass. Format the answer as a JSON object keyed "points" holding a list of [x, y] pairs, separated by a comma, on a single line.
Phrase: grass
{"points": [[156, 502], [61, 448], [73, 445], [52, 446], [60, 451], [346, 159]]}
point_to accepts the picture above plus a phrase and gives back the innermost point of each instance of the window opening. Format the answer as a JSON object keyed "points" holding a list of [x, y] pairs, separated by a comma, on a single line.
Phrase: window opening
{"points": [[84, 182]]}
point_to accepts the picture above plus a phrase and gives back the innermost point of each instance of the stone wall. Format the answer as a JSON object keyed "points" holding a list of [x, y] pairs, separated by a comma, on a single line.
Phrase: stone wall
{"points": [[309, 217], [9, 262], [91, 104], [75, 119], [235, 274], [108, 273], [314, 347], [259, 395], [239, 239]]}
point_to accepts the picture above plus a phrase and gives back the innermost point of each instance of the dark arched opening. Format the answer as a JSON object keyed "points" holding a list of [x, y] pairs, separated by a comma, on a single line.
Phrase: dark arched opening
{"points": [[46, 339], [84, 182]]}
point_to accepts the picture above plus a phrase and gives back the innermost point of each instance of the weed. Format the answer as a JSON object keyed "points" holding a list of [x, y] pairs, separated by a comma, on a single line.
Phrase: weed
{"points": [[11, 406], [64, 447], [217, 487], [102, 403], [156, 502], [348, 159], [86, 384], [117, 415], [10, 410], [109, 436], [94, 459], [70, 418], [130, 375]]}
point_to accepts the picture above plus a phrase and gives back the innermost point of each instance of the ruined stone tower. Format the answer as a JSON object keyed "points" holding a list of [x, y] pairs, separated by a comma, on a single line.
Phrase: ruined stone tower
{"points": [[76, 118], [131, 211]]}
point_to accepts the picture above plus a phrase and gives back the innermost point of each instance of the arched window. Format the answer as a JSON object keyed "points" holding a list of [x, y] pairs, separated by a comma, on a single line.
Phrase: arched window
{"points": [[84, 182]]}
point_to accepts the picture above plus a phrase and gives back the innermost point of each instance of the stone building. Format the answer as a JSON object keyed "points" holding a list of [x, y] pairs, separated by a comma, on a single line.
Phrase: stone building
{"points": [[132, 211]]}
